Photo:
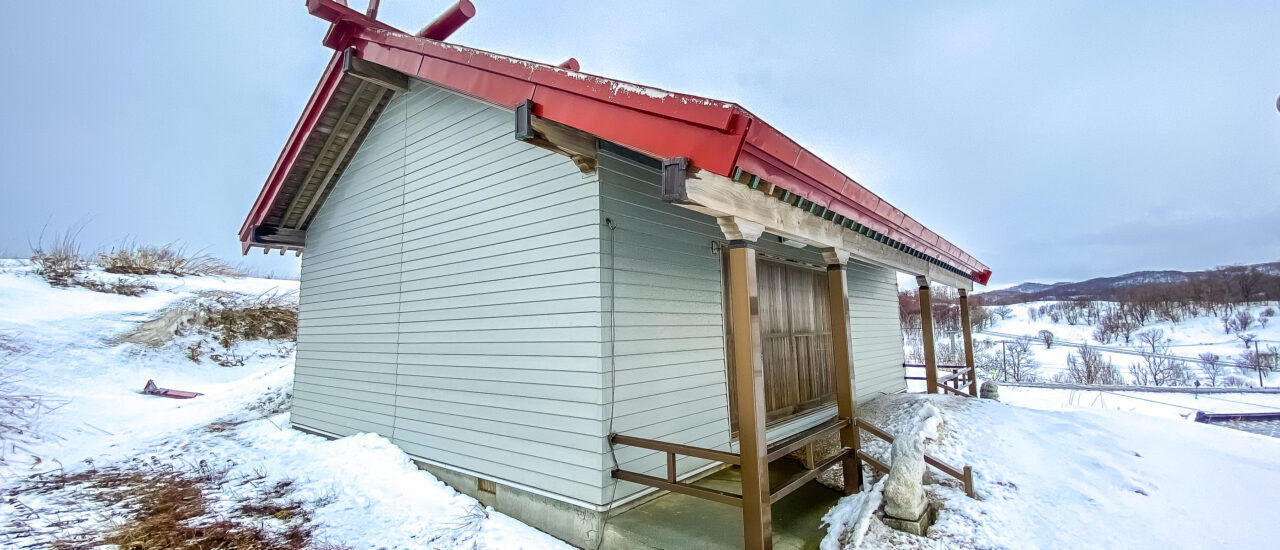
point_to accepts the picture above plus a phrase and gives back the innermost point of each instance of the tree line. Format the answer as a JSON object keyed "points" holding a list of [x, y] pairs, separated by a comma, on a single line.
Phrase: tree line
{"points": [[1228, 293]]}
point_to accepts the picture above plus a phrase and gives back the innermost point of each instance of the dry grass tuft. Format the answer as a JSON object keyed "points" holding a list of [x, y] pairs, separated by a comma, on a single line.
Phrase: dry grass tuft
{"points": [[59, 261], [124, 287], [169, 259], [62, 264], [463, 531], [20, 411]]}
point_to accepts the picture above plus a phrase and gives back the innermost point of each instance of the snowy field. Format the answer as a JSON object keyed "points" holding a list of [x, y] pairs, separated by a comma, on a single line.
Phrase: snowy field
{"points": [[1188, 338], [361, 491], [1173, 406]]}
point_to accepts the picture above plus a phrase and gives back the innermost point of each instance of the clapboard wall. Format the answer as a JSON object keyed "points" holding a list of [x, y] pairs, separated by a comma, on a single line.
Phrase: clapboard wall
{"points": [[349, 296], [668, 322], [450, 299], [874, 333], [458, 297]]}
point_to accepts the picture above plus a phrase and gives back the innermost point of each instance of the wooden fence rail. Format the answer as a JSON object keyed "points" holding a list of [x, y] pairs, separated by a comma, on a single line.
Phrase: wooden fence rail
{"points": [[964, 475], [775, 451], [953, 382]]}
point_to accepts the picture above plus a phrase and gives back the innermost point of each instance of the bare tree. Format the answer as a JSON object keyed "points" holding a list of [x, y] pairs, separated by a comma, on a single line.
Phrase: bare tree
{"points": [[1261, 362], [1242, 321], [1017, 362], [1152, 339], [1156, 368], [1103, 334], [1233, 381], [1087, 366], [1072, 314], [1211, 366], [1003, 312], [1046, 337], [1125, 328], [1246, 339]]}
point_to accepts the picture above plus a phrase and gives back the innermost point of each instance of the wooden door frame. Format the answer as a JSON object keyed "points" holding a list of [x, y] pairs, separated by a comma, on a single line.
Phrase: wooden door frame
{"points": [[800, 409]]}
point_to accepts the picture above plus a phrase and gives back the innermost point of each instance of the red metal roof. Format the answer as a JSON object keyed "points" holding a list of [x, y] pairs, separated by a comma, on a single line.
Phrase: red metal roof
{"points": [[717, 136]]}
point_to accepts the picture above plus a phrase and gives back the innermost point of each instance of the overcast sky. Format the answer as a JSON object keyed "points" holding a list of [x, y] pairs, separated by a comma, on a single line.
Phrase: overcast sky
{"points": [[1051, 142]]}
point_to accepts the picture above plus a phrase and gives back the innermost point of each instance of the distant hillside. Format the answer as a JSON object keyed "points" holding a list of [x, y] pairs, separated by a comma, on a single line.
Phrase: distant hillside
{"points": [[1100, 288]]}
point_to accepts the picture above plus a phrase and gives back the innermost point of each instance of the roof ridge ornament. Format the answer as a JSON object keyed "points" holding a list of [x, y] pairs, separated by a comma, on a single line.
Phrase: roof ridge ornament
{"points": [[451, 20]]}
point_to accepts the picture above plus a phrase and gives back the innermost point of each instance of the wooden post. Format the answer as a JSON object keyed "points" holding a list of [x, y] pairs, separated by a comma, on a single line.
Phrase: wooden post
{"points": [[838, 310], [748, 364], [926, 328], [968, 342]]}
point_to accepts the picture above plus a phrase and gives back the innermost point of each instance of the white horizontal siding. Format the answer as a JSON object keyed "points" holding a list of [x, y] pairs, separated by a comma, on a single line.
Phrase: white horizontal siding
{"points": [[669, 364], [876, 339], [344, 379], [456, 298], [451, 299]]}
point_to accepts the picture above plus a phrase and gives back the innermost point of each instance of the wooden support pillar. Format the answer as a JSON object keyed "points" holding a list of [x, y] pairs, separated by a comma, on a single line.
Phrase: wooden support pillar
{"points": [[926, 328], [748, 364], [968, 342], [842, 359]]}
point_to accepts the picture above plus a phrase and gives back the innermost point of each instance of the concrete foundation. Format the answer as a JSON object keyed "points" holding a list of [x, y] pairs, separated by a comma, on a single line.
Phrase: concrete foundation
{"points": [[663, 520], [573, 524], [918, 526]]}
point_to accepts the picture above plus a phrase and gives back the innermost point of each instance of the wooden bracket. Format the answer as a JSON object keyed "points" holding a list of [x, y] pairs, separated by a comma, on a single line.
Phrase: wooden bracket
{"points": [[739, 229], [673, 178], [524, 120], [372, 72], [584, 163]]}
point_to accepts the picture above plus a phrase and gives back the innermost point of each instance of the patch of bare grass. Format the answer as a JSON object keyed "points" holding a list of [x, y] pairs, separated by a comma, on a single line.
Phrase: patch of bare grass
{"points": [[168, 259], [229, 319], [148, 505], [20, 411], [238, 318], [222, 320]]}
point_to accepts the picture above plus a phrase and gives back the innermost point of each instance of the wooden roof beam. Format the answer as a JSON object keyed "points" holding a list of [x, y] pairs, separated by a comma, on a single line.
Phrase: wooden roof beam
{"points": [[721, 197]]}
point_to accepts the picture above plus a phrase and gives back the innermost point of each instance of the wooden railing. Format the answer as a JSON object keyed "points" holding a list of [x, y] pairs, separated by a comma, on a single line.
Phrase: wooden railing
{"points": [[956, 381], [776, 450], [965, 475]]}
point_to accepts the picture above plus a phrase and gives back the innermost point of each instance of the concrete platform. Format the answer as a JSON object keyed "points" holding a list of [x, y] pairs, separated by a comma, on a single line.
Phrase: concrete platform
{"points": [[675, 521]]}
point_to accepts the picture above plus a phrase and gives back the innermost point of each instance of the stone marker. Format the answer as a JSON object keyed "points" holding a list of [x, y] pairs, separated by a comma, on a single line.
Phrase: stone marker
{"points": [[905, 505], [990, 390]]}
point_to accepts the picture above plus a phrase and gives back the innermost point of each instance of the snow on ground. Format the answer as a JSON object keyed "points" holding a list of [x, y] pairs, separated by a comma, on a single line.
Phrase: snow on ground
{"points": [[366, 492], [1188, 338], [1081, 479], [1046, 478], [1170, 405]]}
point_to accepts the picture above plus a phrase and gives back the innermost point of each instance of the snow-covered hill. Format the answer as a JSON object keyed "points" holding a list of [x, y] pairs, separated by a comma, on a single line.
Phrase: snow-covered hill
{"points": [[1101, 288]]}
